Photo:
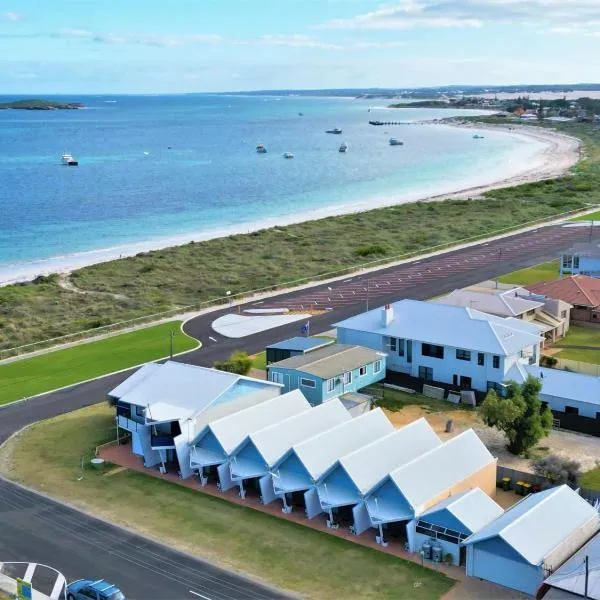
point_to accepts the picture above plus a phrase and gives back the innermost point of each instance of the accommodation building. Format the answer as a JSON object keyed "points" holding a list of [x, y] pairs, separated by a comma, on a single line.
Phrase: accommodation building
{"points": [[452, 345], [578, 577], [294, 347], [583, 258], [531, 539], [552, 316], [329, 372], [449, 522], [295, 474], [342, 487], [212, 447], [581, 291], [253, 459], [164, 405], [461, 464]]}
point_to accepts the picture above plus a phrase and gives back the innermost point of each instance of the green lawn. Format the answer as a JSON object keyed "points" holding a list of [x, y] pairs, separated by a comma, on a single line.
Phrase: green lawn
{"points": [[259, 361], [580, 336], [542, 272], [30, 376], [595, 216], [591, 479], [394, 400], [234, 536]]}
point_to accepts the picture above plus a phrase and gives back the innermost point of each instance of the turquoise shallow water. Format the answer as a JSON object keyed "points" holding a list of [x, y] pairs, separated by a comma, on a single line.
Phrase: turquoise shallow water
{"points": [[131, 189]]}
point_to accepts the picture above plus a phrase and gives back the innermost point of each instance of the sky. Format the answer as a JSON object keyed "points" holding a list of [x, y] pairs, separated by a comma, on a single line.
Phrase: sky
{"points": [[172, 46]]}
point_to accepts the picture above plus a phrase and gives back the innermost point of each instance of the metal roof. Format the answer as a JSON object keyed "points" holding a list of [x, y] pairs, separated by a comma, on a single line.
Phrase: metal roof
{"points": [[330, 361], [539, 523], [584, 249], [445, 465], [301, 344], [454, 326], [133, 380], [175, 391], [319, 452], [506, 303], [233, 429], [570, 576], [371, 463], [473, 508], [275, 440]]}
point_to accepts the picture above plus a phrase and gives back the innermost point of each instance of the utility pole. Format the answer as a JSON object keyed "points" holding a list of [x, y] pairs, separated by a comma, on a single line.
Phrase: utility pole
{"points": [[171, 334], [368, 281], [587, 576]]}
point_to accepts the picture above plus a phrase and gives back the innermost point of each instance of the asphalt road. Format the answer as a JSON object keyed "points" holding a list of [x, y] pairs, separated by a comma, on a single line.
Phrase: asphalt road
{"points": [[33, 528]]}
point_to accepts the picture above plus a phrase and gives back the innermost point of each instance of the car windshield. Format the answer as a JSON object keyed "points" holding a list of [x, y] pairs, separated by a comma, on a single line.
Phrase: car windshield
{"points": [[114, 596]]}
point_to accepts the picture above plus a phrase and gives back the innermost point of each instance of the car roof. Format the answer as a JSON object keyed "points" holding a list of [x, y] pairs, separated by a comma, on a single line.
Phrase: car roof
{"points": [[103, 586]]}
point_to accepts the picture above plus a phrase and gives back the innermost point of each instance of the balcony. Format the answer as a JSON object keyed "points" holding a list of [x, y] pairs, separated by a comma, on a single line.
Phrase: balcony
{"points": [[125, 423], [164, 440]]}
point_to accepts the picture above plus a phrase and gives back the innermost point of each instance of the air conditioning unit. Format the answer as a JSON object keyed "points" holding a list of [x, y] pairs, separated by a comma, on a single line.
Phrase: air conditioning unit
{"points": [[162, 470]]}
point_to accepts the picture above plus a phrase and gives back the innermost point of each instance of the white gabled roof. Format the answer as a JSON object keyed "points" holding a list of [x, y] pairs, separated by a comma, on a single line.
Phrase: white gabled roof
{"points": [[539, 523], [274, 441], [454, 326], [441, 468], [233, 429], [371, 463], [133, 380], [506, 303], [319, 452], [473, 508]]}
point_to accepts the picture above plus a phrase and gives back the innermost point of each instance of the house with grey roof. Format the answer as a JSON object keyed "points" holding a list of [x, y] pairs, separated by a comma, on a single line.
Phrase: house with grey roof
{"points": [[337, 370], [453, 345]]}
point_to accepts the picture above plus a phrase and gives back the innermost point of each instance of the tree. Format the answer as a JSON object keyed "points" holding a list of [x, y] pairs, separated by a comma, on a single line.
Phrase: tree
{"points": [[520, 415], [238, 362], [558, 469]]}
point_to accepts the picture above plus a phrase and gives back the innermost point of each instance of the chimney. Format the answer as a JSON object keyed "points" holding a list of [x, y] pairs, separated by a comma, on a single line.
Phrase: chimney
{"points": [[387, 315]]}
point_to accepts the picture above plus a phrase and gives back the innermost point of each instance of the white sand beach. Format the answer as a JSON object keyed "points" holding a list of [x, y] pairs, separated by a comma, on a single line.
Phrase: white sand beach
{"points": [[558, 153]]}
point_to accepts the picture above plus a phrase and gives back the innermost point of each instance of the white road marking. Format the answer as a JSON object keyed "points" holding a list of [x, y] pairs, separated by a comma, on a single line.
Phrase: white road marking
{"points": [[212, 339], [257, 303], [199, 595]]}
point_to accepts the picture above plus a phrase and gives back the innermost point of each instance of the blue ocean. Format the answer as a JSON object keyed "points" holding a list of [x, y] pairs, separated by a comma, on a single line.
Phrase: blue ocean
{"points": [[154, 170]]}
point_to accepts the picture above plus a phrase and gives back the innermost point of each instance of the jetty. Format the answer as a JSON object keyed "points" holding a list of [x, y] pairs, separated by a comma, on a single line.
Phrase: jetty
{"points": [[387, 123]]}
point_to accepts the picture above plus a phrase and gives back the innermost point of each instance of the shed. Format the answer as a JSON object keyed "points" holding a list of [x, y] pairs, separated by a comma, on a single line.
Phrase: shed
{"points": [[257, 454], [212, 447], [531, 539], [451, 521], [460, 464], [345, 483], [296, 473], [294, 346]]}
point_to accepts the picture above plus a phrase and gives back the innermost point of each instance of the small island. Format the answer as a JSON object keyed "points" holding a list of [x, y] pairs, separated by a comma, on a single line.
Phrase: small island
{"points": [[40, 105]]}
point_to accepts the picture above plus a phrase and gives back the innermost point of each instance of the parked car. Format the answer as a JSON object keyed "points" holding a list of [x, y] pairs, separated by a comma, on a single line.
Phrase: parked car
{"points": [[86, 589]]}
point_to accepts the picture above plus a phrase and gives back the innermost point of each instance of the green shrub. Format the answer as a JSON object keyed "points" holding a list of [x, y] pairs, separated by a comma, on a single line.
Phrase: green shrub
{"points": [[372, 250]]}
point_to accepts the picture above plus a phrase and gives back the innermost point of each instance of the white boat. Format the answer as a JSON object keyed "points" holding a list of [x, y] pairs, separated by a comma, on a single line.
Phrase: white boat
{"points": [[477, 137], [395, 142], [343, 147], [261, 149], [288, 155], [67, 159], [335, 131]]}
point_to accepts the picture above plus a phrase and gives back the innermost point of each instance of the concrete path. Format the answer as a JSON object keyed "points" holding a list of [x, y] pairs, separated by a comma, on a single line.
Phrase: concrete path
{"points": [[238, 326]]}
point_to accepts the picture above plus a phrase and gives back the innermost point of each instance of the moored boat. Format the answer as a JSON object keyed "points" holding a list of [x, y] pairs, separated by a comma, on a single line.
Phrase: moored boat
{"points": [[395, 142], [343, 147], [335, 130], [67, 159], [288, 155], [261, 149], [477, 137]]}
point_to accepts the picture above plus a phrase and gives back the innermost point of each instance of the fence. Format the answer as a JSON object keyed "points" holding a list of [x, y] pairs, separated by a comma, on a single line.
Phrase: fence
{"points": [[566, 364], [227, 299]]}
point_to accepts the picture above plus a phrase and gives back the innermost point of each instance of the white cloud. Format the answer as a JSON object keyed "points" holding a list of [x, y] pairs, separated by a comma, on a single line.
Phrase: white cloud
{"points": [[378, 45], [294, 41], [473, 13], [136, 38], [10, 16]]}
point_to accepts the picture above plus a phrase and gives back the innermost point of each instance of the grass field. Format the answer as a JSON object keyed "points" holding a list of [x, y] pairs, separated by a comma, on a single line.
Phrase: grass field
{"points": [[542, 272], [166, 279], [591, 479], [259, 361], [595, 216], [580, 336], [27, 377], [394, 400], [233, 536]]}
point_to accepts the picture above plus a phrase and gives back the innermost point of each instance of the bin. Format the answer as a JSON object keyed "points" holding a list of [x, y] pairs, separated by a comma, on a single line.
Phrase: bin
{"points": [[519, 487], [97, 463], [506, 483], [526, 489]]}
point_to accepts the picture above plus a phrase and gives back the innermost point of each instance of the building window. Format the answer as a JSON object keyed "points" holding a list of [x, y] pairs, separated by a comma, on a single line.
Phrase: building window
{"points": [[496, 362], [392, 344], [377, 366], [330, 385], [426, 373], [480, 359], [276, 377], [432, 350], [347, 377], [309, 383], [576, 262], [531, 312], [400, 347], [497, 387], [563, 314], [362, 371], [567, 262], [463, 354], [139, 411], [571, 410]]}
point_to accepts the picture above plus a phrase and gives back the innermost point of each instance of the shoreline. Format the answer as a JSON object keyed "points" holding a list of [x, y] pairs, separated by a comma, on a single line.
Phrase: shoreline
{"points": [[561, 153]]}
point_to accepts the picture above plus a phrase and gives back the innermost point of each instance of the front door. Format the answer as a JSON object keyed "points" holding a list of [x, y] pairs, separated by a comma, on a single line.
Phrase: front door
{"points": [[465, 382]]}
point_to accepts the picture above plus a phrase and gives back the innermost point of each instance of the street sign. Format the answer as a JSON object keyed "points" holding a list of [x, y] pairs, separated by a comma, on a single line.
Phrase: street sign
{"points": [[23, 590]]}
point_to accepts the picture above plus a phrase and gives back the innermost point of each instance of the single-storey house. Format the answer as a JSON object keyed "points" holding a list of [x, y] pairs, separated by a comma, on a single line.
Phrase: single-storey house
{"points": [[582, 258], [452, 345], [212, 447], [462, 463], [552, 316], [449, 522], [343, 486], [531, 539], [164, 405], [578, 577], [295, 474], [581, 291], [294, 347], [255, 456], [329, 372]]}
